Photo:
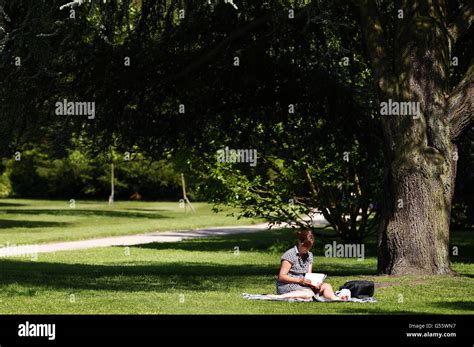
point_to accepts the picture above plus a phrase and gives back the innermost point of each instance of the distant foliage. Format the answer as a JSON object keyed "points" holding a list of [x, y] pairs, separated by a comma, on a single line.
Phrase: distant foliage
{"points": [[38, 175]]}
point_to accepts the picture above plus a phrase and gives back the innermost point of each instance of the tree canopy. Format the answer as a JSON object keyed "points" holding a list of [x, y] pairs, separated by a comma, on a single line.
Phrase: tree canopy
{"points": [[300, 82]]}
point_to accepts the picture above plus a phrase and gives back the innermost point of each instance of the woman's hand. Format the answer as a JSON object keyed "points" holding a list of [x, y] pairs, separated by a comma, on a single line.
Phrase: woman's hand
{"points": [[305, 282]]}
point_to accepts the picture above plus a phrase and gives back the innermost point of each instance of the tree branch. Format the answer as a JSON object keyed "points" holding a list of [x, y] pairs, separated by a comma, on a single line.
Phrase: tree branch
{"points": [[313, 187], [462, 22], [460, 104], [376, 45]]}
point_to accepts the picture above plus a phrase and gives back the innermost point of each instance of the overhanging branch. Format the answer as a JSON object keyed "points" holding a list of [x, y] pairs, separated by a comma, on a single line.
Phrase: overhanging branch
{"points": [[461, 104], [376, 45]]}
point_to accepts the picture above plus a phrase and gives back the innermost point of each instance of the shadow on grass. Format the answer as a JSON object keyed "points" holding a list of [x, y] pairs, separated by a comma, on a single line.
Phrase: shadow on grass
{"points": [[7, 223], [10, 204], [86, 213], [456, 305], [137, 277], [265, 242], [270, 241], [160, 277]]}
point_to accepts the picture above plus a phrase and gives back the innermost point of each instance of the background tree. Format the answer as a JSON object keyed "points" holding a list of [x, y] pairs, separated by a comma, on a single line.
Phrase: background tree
{"points": [[28, 79]]}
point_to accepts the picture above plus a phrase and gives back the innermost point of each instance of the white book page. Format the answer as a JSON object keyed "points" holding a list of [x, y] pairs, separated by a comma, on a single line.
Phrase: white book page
{"points": [[315, 277]]}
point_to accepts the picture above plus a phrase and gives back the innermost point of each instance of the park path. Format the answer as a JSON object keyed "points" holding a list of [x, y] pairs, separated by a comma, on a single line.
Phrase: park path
{"points": [[157, 236], [141, 239]]}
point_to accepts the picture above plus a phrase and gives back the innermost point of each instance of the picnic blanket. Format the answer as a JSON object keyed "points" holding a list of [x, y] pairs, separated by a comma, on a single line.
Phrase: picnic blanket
{"points": [[316, 297]]}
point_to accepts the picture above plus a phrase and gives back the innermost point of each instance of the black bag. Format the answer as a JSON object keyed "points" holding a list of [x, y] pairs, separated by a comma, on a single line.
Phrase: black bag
{"points": [[359, 289]]}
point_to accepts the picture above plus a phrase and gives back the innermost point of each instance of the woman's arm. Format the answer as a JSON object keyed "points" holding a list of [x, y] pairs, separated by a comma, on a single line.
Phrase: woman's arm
{"points": [[284, 278]]}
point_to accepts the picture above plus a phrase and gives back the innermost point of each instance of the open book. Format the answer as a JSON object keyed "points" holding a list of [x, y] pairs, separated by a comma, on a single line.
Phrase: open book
{"points": [[315, 277]]}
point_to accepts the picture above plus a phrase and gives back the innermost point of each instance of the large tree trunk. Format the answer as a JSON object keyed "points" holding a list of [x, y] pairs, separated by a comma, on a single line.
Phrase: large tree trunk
{"points": [[419, 149], [415, 239]]}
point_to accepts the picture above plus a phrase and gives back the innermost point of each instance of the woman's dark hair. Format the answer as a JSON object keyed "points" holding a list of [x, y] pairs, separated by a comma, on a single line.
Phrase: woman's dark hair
{"points": [[306, 237]]}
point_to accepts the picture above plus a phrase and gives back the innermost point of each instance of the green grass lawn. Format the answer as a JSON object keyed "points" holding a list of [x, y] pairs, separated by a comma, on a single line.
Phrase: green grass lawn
{"points": [[208, 276], [40, 221]]}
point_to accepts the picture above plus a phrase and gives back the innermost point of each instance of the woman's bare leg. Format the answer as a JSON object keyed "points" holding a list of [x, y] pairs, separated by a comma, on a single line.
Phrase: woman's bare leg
{"points": [[297, 294], [327, 292]]}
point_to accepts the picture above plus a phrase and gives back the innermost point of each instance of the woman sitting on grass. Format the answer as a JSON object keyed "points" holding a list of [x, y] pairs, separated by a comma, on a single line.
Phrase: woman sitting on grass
{"points": [[295, 262]]}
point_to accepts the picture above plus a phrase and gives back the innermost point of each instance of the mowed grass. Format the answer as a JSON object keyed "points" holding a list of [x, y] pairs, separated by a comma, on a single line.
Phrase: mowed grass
{"points": [[40, 221], [208, 276]]}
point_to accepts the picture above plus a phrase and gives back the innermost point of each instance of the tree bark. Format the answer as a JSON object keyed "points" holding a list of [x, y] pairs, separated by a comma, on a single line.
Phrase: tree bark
{"points": [[419, 150], [416, 235]]}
